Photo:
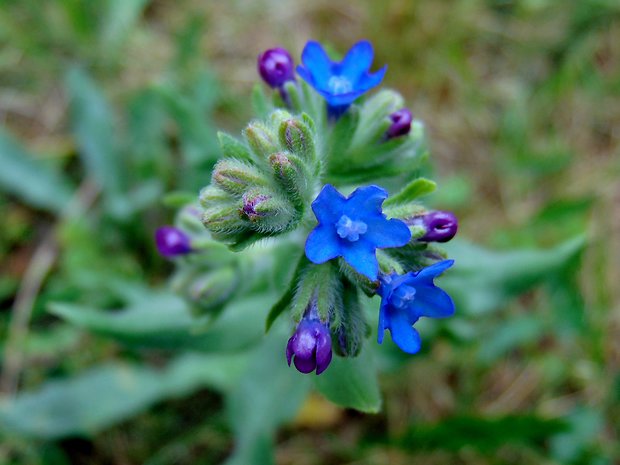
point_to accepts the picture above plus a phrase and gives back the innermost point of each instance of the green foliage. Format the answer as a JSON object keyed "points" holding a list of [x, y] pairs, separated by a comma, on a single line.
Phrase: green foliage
{"points": [[30, 179], [110, 393], [352, 383], [519, 98]]}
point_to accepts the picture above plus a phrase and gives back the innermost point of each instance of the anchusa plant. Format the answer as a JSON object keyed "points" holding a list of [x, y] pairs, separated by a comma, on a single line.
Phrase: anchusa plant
{"points": [[301, 186]]}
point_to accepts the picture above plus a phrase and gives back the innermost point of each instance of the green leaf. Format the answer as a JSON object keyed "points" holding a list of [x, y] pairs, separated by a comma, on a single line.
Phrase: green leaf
{"points": [[269, 394], [585, 426], [163, 320], [352, 383], [412, 191], [511, 334], [93, 124], [118, 19], [482, 280], [30, 179], [108, 394]]}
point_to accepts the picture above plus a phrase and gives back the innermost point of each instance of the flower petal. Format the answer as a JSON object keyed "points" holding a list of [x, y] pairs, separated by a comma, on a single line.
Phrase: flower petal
{"points": [[364, 201], [426, 275], [305, 75], [362, 257], [316, 62], [329, 205], [340, 99], [323, 353], [304, 365], [403, 334], [432, 301], [358, 60], [322, 244], [368, 81], [388, 233]]}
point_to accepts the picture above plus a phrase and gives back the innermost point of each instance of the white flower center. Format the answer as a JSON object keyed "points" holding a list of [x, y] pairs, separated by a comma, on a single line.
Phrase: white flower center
{"points": [[339, 85], [349, 229], [402, 296]]}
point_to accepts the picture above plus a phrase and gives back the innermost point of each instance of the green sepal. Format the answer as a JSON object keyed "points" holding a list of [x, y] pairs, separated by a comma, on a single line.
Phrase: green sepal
{"points": [[366, 285], [415, 189], [224, 221], [390, 158], [298, 139], [375, 117], [388, 264], [318, 282], [353, 329], [188, 218], [211, 195], [232, 147], [236, 177], [272, 212], [292, 174], [340, 140], [404, 211], [261, 140], [209, 291]]}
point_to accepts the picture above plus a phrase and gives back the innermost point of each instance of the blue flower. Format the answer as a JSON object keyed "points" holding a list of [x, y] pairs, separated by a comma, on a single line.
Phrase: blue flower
{"points": [[353, 228], [406, 298], [340, 83]]}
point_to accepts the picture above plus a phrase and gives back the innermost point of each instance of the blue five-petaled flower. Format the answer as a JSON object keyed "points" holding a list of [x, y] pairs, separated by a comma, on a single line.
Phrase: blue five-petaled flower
{"points": [[353, 228], [406, 298], [340, 83]]}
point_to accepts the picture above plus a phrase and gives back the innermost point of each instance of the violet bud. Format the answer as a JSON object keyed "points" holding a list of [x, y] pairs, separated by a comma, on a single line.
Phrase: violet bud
{"points": [[310, 347], [401, 123], [441, 226], [251, 203], [276, 66], [172, 242]]}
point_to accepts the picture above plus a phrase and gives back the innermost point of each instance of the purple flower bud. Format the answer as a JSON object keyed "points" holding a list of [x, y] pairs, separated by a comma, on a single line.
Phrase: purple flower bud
{"points": [[311, 346], [401, 123], [440, 226], [172, 242], [276, 66]]}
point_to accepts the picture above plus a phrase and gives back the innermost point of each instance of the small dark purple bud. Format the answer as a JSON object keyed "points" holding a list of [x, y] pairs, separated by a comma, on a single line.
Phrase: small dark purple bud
{"points": [[401, 123], [440, 226], [276, 66], [250, 202], [172, 242], [310, 347]]}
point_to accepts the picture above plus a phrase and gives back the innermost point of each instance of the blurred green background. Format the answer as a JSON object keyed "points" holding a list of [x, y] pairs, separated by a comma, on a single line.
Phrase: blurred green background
{"points": [[107, 105]]}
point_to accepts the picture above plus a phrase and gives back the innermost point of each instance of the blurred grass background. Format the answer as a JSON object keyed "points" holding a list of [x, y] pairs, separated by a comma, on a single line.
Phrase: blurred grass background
{"points": [[522, 102]]}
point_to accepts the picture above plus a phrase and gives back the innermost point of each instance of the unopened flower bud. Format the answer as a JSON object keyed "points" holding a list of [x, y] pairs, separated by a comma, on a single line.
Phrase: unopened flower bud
{"points": [[310, 347], [401, 123], [276, 66], [298, 139], [236, 177], [172, 242], [261, 140], [251, 205], [440, 226]]}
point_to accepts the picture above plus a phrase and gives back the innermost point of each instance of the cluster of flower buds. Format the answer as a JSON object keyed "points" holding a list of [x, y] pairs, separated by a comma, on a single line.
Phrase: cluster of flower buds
{"points": [[262, 185], [311, 141]]}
